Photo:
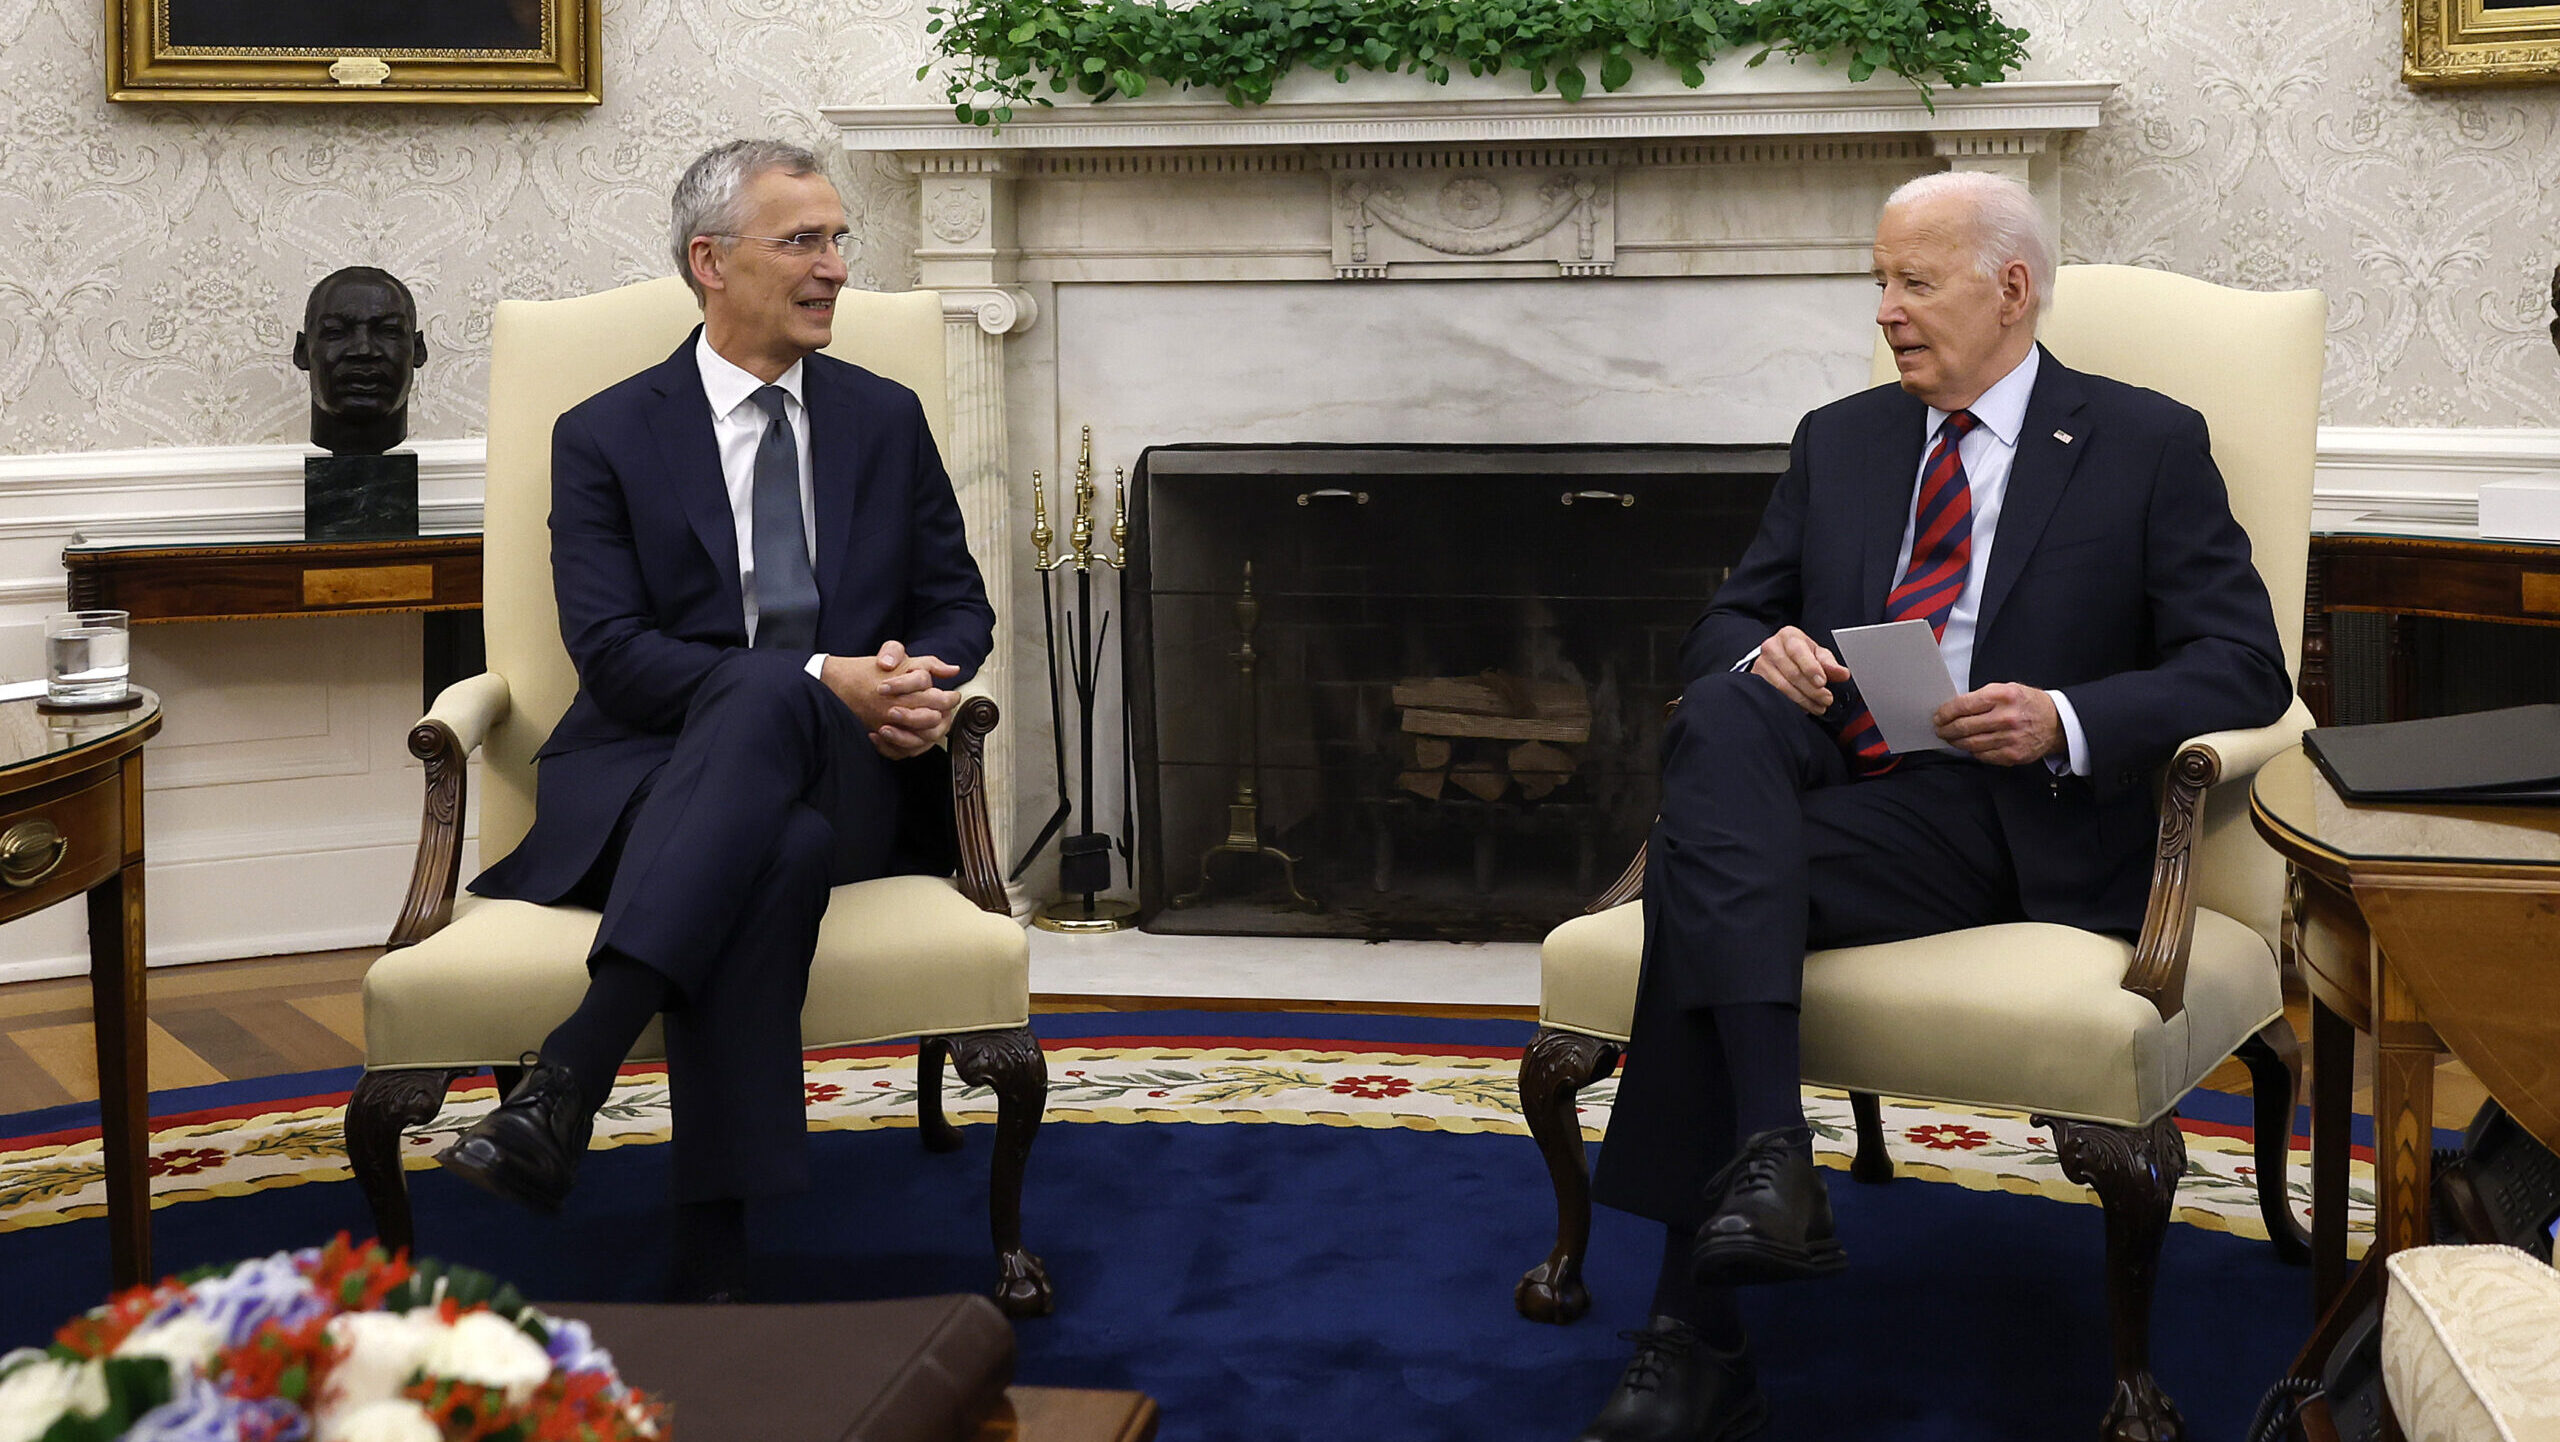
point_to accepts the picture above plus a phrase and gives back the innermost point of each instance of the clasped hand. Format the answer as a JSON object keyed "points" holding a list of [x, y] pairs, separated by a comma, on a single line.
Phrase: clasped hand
{"points": [[900, 699], [2004, 723]]}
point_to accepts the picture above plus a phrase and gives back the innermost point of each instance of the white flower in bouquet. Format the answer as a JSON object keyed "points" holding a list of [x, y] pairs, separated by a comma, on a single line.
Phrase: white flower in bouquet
{"points": [[393, 1419], [378, 1354], [487, 1350], [36, 1391], [185, 1341]]}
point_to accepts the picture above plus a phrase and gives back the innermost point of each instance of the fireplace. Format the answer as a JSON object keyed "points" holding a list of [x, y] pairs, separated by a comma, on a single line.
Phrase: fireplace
{"points": [[1410, 691]]}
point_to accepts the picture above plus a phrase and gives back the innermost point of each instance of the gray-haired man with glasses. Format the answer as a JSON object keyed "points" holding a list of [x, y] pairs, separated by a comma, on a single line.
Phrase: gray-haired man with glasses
{"points": [[764, 586]]}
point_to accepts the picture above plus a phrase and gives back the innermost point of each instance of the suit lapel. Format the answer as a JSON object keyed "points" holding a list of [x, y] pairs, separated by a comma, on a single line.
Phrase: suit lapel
{"points": [[1887, 478], [846, 478], [2037, 478], [682, 428]]}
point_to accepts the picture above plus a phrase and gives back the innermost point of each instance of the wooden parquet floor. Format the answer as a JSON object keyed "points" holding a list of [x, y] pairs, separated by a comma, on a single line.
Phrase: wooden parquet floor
{"points": [[236, 1020]]}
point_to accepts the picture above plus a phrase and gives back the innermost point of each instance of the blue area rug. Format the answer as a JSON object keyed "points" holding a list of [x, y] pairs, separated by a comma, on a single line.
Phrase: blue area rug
{"points": [[1340, 1281]]}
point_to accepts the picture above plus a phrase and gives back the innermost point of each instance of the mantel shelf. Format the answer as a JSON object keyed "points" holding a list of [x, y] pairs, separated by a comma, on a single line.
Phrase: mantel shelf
{"points": [[1404, 110]]}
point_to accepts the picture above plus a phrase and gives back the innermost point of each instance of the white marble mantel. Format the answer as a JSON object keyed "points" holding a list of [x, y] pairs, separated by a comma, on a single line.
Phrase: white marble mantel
{"points": [[1175, 268]]}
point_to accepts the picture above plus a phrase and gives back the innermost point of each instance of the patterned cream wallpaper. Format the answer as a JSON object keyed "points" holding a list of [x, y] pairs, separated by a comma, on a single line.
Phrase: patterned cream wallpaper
{"points": [[153, 259]]}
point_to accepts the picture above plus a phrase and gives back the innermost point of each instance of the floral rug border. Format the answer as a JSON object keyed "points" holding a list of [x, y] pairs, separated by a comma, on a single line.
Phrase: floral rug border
{"points": [[252, 1149]]}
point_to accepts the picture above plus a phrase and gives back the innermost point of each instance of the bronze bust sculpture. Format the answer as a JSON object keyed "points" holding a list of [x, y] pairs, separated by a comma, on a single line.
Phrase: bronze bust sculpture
{"points": [[361, 343]]}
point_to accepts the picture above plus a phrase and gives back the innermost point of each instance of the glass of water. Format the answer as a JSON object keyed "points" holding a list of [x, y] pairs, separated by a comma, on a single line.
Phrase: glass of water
{"points": [[86, 657]]}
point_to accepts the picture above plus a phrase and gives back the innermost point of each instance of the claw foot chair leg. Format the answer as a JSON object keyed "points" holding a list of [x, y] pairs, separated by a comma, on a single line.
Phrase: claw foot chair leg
{"points": [[1556, 1066], [1873, 1164], [2135, 1172], [2274, 1059], [932, 1128], [386, 1104], [1010, 1064]]}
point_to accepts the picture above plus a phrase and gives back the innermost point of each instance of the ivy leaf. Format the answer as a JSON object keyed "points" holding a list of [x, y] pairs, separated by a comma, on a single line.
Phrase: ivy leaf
{"points": [[1616, 70], [1570, 82]]}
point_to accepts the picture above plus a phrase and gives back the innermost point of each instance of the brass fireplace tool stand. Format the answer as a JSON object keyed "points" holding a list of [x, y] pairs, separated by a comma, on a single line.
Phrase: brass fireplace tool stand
{"points": [[1084, 859], [1244, 809]]}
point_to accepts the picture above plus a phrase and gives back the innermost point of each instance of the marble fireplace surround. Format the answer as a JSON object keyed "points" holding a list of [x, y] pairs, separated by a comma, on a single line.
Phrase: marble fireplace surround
{"points": [[1390, 261]]}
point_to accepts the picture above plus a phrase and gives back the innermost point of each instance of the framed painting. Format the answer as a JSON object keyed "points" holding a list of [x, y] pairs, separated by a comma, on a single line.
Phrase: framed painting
{"points": [[517, 52], [2478, 42]]}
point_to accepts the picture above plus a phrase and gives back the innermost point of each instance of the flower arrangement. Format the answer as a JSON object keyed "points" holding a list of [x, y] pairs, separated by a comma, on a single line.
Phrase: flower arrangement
{"points": [[341, 1343]]}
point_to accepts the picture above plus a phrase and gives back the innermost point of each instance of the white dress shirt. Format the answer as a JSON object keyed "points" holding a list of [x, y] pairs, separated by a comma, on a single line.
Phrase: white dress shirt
{"points": [[1987, 452], [738, 425]]}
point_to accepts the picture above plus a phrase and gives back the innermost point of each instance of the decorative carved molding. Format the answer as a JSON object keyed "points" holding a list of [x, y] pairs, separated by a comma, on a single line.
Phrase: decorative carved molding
{"points": [[1563, 217], [996, 309], [956, 214]]}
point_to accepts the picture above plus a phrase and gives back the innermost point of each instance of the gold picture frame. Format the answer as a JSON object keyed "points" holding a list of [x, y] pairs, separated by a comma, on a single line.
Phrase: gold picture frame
{"points": [[2478, 42], [454, 52]]}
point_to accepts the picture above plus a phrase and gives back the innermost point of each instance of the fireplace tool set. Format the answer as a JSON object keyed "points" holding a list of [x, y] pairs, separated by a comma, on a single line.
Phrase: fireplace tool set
{"points": [[1084, 859]]}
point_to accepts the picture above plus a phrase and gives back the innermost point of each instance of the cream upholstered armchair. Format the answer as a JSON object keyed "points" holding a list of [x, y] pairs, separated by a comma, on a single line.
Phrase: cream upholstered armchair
{"points": [[475, 983], [2097, 1037]]}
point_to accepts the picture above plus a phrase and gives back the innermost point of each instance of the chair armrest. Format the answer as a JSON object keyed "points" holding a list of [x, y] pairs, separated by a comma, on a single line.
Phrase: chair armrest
{"points": [[981, 876], [444, 739], [2239, 754], [2159, 971], [466, 709]]}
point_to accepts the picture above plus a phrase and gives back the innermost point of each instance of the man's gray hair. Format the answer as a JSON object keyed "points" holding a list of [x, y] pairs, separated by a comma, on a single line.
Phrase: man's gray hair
{"points": [[2008, 224], [711, 198]]}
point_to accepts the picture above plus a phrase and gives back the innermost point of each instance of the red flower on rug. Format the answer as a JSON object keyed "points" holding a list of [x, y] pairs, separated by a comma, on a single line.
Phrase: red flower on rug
{"points": [[821, 1091], [1947, 1137], [1373, 1088], [184, 1161]]}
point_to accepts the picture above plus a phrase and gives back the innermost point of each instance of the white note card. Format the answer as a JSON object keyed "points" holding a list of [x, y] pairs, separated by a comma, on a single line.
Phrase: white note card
{"points": [[1903, 677]]}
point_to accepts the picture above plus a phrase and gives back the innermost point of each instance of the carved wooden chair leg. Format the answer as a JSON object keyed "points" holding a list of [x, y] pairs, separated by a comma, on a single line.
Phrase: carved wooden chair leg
{"points": [[936, 1131], [1556, 1066], [2135, 1172], [1010, 1064], [1873, 1164], [384, 1105], [2274, 1058]]}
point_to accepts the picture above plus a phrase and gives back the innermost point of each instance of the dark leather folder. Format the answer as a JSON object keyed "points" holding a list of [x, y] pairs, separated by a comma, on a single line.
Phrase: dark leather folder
{"points": [[2487, 756], [926, 1370]]}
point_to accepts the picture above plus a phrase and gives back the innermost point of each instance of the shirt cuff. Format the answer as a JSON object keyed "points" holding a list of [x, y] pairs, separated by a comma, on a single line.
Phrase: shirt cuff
{"points": [[818, 663], [2078, 765]]}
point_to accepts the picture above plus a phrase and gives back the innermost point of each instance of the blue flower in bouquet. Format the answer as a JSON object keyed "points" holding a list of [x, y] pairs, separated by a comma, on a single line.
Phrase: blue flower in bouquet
{"points": [[252, 1295], [202, 1412]]}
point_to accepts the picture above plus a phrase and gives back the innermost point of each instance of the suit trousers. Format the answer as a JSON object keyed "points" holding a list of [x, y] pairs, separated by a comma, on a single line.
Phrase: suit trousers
{"points": [[1767, 846], [716, 877]]}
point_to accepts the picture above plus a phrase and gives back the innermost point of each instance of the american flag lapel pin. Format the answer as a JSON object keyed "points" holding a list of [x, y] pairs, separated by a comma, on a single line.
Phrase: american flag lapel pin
{"points": [[2063, 436]]}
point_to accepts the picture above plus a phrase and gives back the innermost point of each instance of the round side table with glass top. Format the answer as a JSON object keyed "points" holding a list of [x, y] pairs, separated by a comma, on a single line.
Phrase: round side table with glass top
{"points": [[71, 824]]}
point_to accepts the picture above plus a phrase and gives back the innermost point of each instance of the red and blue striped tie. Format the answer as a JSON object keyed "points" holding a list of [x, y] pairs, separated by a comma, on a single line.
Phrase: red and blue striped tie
{"points": [[1941, 562]]}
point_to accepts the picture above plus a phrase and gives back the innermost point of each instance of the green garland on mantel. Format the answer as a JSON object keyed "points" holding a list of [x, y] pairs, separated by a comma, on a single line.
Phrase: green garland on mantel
{"points": [[1008, 49]]}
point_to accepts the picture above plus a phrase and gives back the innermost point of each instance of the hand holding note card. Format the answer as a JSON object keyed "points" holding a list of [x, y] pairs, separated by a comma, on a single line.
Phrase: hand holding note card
{"points": [[1903, 678]]}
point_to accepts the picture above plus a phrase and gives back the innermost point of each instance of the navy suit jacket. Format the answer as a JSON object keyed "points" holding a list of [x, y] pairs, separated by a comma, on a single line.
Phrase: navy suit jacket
{"points": [[2118, 576], [644, 560]]}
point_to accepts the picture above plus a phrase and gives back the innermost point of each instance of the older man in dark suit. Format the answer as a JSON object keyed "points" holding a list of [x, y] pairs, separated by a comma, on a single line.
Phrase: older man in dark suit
{"points": [[765, 588], [2068, 540]]}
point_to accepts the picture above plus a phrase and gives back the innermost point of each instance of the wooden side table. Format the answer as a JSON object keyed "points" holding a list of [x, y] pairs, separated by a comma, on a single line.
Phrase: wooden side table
{"points": [[255, 579], [2430, 928], [2517, 582], [71, 823]]}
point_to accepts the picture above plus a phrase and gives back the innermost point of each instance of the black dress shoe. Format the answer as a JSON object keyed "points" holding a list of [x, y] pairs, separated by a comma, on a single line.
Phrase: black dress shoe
{"points": [[1678, 1389], [1772, 1218], [527, 1151]]}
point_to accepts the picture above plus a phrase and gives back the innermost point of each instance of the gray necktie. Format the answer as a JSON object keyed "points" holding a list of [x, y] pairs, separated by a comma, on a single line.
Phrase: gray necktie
{"points": [[786, 593]]}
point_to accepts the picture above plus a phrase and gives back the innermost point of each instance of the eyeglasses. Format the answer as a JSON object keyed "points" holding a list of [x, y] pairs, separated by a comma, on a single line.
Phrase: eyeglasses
{"points": [[806, 243]]}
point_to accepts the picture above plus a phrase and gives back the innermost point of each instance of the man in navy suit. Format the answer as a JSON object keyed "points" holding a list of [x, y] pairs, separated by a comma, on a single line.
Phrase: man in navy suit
{"points": [[2068, 539], [764, 585]]}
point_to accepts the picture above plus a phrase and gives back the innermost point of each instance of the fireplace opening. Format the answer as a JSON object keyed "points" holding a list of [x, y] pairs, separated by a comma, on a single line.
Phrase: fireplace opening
{"points": [[1410, 691]]}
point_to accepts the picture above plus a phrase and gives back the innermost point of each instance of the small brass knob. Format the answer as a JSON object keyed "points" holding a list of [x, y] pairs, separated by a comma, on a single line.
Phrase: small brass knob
{"points": [[29, 851]]}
